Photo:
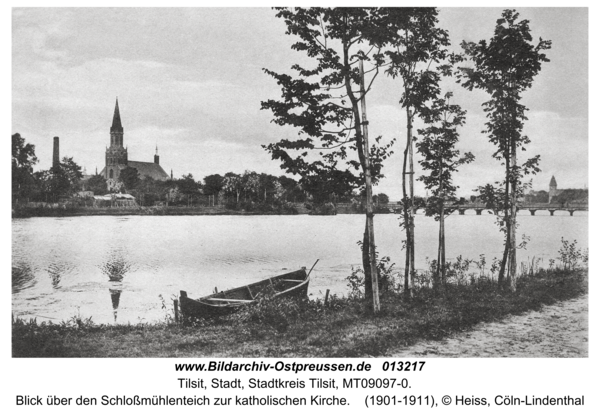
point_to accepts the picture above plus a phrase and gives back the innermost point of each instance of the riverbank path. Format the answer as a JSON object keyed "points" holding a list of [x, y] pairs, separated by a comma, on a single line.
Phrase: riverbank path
{"points": [[558, 330]]}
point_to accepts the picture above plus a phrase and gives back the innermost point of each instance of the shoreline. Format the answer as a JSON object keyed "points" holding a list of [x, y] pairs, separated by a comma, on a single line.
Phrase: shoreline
{"points": [[341, 328], [160, 211]]}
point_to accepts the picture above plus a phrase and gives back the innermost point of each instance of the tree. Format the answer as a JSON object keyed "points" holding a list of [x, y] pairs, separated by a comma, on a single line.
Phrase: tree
{"points": [[382, 199], [504, 68], [213, 184], [59, 181], [130, 178], [188, 187], [23, 159], [292, 191], [327, 103], [268, 185], [52, 184], [250, 185], [72, 171], [151, 190], [440, 160], [417, 54], [97, 184], [328, 188], [232, 185]]}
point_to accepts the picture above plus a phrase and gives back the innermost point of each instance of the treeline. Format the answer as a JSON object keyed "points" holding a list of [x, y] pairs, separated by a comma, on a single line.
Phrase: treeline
{"points": [[45, 185], [250, 191]]}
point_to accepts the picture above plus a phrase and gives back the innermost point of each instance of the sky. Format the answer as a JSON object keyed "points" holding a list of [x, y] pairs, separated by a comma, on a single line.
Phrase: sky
{"points": [[190, 81]]}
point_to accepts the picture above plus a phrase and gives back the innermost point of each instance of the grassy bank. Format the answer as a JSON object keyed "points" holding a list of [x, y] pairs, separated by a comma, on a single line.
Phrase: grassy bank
{"points": [[281, 328]]}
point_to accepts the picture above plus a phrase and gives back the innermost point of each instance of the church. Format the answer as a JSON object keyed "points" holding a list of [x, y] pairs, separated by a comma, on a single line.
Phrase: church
{"points": [[116, 157], [556, 195]]}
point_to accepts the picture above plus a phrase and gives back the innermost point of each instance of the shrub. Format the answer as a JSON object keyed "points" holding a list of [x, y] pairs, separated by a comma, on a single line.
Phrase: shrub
{"points": [[385, 278], [262, 207], [247, 206], [325, 209], [276, 312], [570, 255], [232, 205], [287, 208]]}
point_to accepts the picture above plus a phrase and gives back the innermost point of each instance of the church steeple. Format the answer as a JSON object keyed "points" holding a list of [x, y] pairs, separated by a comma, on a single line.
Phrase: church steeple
{"points": [[116, 124], [116, 155], [116, 130], [552, 192]]}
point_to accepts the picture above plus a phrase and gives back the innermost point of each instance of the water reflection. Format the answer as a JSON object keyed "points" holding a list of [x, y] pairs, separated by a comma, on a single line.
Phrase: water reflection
{"points": [[60, 266], [57, 270], [115, 296], [115, 268], [22, 278]]}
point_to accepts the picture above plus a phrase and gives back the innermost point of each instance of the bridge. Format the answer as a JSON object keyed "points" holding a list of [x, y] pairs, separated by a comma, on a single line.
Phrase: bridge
{"points": [[571, 207]]}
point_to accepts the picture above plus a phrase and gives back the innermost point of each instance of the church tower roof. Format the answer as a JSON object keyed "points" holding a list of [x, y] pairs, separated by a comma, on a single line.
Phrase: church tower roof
{"points": [[552, 181], [116, 124]]}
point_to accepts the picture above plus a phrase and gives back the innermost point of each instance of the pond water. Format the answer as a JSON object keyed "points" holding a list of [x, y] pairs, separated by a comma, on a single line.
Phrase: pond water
{"points": [[124, 269]]}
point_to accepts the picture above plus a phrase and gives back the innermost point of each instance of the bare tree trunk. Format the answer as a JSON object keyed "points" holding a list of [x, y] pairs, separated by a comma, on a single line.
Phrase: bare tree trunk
{"points": [[405, 212], [512, 254], [409, 211], [507, 221], [367, 266], [442, 248], [412, 201], [369, 189], [441, 269]]}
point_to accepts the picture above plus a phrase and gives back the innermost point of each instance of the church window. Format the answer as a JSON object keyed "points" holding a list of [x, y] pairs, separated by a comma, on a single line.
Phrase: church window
{"points": [[110, 174]]}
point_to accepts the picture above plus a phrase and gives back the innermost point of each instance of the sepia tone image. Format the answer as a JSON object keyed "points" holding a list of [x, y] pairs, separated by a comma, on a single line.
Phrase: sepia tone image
{"points": [[300, 182]]}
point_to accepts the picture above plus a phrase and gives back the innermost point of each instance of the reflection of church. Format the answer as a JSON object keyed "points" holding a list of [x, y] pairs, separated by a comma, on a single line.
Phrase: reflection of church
{"points": [[116, 157]]}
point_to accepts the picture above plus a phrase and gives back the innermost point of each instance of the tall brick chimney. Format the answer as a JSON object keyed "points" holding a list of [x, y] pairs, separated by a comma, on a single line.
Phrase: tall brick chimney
{"points": [[55, 155]]}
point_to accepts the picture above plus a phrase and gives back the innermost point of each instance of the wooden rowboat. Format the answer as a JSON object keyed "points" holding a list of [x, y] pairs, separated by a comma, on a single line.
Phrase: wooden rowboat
{"points": [[293, 284]]}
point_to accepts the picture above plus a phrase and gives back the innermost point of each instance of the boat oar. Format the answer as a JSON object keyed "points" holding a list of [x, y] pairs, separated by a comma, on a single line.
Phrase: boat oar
{"points": [[313, 266]]}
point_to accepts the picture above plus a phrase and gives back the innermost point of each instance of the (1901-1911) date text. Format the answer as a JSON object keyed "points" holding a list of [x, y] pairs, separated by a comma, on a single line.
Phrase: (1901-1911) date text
{"points": [[383, 400]]}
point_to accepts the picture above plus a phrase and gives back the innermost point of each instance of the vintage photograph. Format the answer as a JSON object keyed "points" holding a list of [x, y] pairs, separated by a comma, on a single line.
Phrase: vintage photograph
{"points": [[300, 182]]}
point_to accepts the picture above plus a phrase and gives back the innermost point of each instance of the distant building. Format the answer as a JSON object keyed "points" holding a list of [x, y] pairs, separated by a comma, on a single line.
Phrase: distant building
{"points": [[117, 160], [565, 195], [553, 191]]}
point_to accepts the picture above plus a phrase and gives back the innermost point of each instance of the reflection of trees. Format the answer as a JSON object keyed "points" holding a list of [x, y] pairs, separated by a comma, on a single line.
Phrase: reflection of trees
{"points": [[22, 277], [56, 271], [115, 269]]}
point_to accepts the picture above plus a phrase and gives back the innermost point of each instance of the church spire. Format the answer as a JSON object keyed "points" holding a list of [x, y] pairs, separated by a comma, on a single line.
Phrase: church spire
{"points": [[116, 124]]}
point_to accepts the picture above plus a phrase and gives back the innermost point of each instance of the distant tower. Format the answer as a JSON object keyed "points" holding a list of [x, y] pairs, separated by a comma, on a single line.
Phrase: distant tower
{"points": [[116, 154], [55, 155], [156, 156], [553, 191]]}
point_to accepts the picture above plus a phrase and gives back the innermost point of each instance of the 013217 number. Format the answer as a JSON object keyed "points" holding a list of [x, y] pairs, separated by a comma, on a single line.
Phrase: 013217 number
{"points": [[403, 365]]}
